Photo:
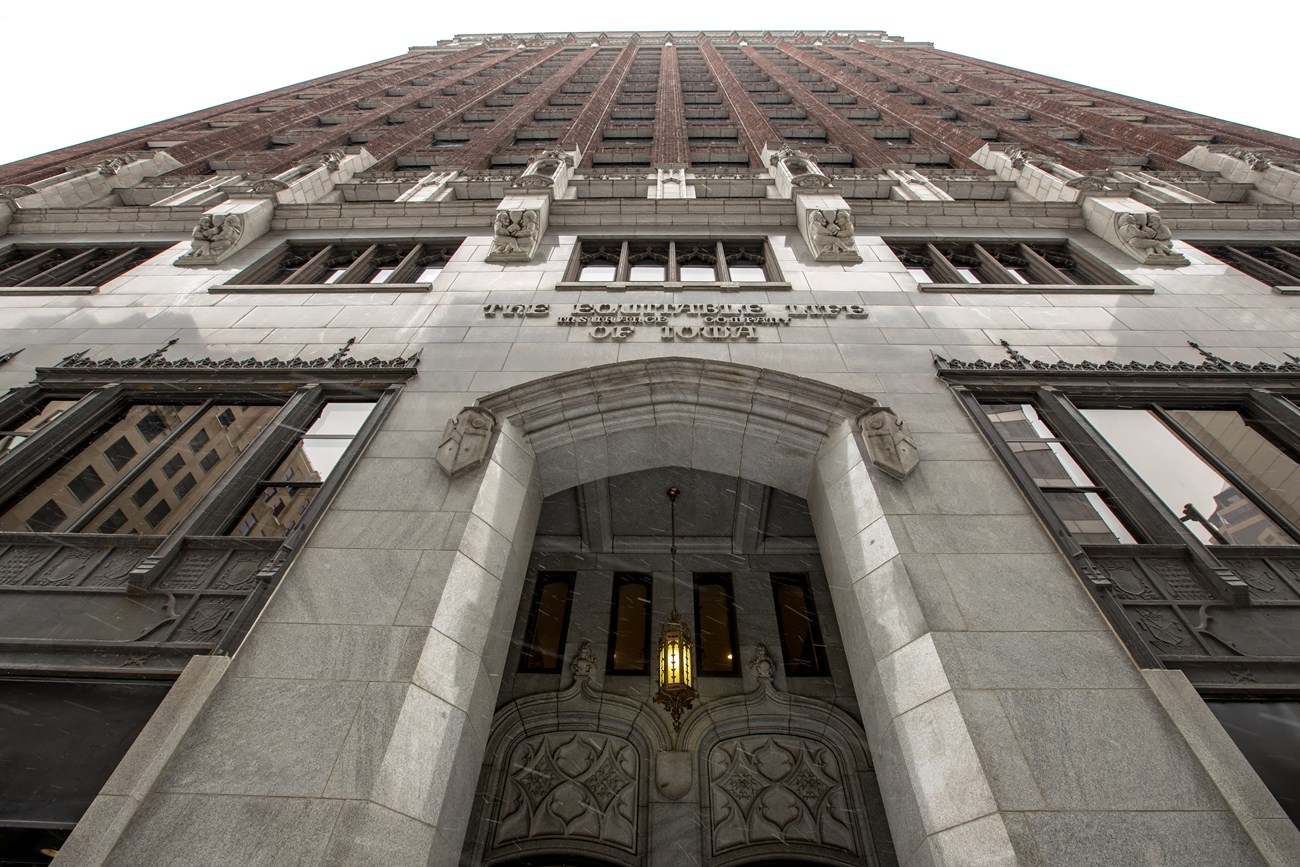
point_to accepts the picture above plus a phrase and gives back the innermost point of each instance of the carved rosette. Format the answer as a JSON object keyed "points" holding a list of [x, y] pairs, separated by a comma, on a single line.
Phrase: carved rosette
{"points": [[575, 786], [777, 789]]}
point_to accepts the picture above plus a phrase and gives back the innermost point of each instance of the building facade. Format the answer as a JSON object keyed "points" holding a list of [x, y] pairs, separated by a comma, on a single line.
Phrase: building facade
{"points": [[660, 448]]}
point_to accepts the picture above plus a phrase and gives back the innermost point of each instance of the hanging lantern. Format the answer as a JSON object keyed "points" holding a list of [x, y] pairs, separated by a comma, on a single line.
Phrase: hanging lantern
{"points": [[676, 669]]}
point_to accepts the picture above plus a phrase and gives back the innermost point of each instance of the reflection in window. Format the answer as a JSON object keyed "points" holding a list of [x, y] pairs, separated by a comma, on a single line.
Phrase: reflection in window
{"points": [[548, 623], [1211, 507], [629, 625], [34, 421], [284, 496], [1079, 503], [801, 640], [1268, 735], [715, 624]]}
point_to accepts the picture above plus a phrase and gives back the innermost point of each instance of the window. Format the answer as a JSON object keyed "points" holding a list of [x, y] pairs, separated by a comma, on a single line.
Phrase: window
{"points": [[141, 465], [629, 624], [715, 625], [548, 623], [390, 266], [1176, 493], [973, 266], [801, 641], [1278, 265], [682, 263], [28, 269]]}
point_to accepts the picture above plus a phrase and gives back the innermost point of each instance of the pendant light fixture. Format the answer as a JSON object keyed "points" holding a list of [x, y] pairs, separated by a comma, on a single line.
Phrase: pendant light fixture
{"points": [[676, 670]]}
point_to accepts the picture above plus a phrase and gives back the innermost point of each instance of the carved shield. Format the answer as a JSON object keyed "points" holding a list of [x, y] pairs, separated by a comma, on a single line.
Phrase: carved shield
{"points": [[465, 441]]}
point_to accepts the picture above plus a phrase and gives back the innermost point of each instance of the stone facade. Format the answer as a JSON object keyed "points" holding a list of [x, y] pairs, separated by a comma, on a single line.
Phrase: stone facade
{"points": [[560, 263]]}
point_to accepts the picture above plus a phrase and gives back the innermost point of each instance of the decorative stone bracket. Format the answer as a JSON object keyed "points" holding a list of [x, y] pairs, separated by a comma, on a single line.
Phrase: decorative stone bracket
{"points": [[1131, 226], [308, 182], [81, 186], [889, 443], [465, 441], [670, 183], [794, 170], [518, 227], [824, 218], [226, 228], [1040, 178]]}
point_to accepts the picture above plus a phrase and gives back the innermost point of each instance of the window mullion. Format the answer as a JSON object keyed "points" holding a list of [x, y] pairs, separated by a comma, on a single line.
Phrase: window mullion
{"points": [[135, 472], [91, 277], [1041, 268], [670, 269], [1228, 473], [359, 266], [312, 268], [22, 270], [54, 276], [1258, 268], [721, 267], [624, 272], [1291, 259], [405, 269], [52, 444], [947, 272], [1111, 472], [996, 268], [1279, 417]]}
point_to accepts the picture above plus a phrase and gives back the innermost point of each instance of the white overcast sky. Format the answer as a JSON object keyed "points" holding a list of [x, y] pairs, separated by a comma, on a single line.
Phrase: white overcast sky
{"points": [[77, 70]]}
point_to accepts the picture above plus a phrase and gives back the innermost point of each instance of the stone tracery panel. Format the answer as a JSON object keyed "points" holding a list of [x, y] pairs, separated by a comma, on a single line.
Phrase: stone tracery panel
{"points": [[571, 785], [777, 789]]}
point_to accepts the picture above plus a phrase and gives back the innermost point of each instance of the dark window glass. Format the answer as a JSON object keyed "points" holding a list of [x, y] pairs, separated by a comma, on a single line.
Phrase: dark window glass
{"points": [[227, 418], [144, 493], [629, 625], [801, 641], [119, 454], [115, 522], [1268, 735], [156, 515], [1215, 510], [33, 422], [548, 622], [47, 518], [715, 624], [210, 460], [173, 465], [184, 486], [199, 440], [151, 427], [85, 483]]}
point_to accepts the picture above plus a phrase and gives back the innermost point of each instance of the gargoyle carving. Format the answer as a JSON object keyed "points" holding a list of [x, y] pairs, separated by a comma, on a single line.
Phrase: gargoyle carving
{"points": [[1148, 238], [831, 233], [215, 235], [514, 232]]}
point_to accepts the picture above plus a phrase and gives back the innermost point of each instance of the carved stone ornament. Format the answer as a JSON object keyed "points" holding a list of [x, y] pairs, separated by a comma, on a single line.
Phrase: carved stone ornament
{"points": [[537, 181], [1148, 238], [889, 442], [330, 160], [1213, 365], [571, 785], [515, 234], [673, 773], [214, 236], [801, 167], [1087, 182], [762, 666], [563, 157], [585, 662], [1019, 156], [465, 441], [1257, 162], [830, 233], [267, 186], [16, 191], [111, 165]]}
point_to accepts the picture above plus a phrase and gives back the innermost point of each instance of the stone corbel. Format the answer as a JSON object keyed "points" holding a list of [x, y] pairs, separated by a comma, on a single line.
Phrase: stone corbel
{"points": [[1031, 174], [549, 172], [889, 443], [226, 228], [826, 223], [429, 188], [1132, 227], [79, 187], [309, 182], [1274, 181], [518, 227], [465, 441]]}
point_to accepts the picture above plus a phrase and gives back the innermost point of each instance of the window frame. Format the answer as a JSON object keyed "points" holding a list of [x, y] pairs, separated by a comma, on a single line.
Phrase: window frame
{"points": [[821, 660], [318, 251], [723, 580], [1238, 255], [673, 249], [623, 579], [541, 580], [937, 252], [128, 257]]}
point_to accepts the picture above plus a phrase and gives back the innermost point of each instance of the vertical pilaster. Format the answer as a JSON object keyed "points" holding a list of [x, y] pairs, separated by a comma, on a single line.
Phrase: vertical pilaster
{"points": [[670, 144], [590, 121], [751, 119]]}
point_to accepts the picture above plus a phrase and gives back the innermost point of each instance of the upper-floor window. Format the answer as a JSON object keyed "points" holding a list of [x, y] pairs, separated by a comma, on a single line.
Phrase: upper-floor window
{"points": [[629, 624], [1276, 264], [548, 622], [348, 266], [715, 624], [26, 268], [679, 262], [954, 266], [802, 648]]}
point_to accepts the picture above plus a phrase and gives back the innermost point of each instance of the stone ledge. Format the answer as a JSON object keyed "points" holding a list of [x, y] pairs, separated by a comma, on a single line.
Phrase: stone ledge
{"points": [[316, 288], [666, 286], [1034, 288]]}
